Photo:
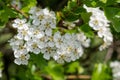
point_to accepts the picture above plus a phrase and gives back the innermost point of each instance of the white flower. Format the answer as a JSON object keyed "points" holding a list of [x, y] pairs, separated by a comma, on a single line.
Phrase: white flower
{"points": [[61, 57], [58, 39], [15, 43], [20, 24], [36, 33], [70, 25], [21, 49], [83, 39], [22, 59], [33, 10], [36, 22], [33, 46], [49, 14], [48, 52], [69, 48], [38, 37], [0, 73], [78, 52], [96, 23], [48, 32], [99, 22], [50, 41], [91, 9], [42, 42], [115, 69], [24, 35]]}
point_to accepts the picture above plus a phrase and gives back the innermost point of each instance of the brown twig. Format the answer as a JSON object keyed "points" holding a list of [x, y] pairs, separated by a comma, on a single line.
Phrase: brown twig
{"points": [[114, 47], [18, 10], [73, 77], [109, 53]]}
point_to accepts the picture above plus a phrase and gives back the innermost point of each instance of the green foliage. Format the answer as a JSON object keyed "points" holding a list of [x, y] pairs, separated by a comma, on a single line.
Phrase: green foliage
{"points": [[87, 30], [104, 1], [85, 17], [55, 71], [111, 14], [74, 67], [101, 72], [39, 68], [27, 4], [51, 68], [72, 11], [41, 62], [5, 14]]}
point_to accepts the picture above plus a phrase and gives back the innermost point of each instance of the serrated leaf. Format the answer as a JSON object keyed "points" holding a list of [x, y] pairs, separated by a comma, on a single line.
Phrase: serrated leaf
{"points": [[87, 30], [85, 17], [111, 15]]}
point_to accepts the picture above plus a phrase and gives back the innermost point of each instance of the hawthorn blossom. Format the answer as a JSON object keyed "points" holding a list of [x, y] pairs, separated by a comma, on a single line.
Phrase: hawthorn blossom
{"points": [[22, 59], [83, 39], [24, 34], [68, 24], [20, 24], [99, 23], [48, 52], [33, 46], [38, 37], [115, 70]]}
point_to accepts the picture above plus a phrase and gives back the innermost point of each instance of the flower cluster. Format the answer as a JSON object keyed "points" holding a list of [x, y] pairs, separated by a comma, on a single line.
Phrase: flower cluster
{"points": [[115, 70], [36, 36], [99, 23]]}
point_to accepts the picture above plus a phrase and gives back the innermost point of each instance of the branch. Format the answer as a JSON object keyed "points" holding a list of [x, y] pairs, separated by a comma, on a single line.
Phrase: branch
{"points": [[21, 12], [109, 53], [73, 77], [114, 46]]}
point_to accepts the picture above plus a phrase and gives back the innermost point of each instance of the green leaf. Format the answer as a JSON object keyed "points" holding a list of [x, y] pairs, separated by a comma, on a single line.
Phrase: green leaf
{"points": [[74, 67], [55, 71], [118, 1], [5, 14], [85, 17], [72, 11], [87, 30], [101, 72], [27, 4], [104, 1], [111, 15], [110, 2], [38, 60]]}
